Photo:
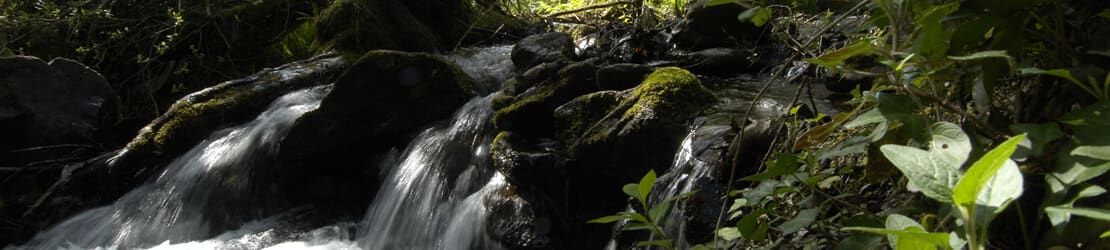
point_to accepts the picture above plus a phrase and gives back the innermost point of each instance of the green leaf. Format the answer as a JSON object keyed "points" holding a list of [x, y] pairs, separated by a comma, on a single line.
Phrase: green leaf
{"points": [[719, 2], [633, 226], [1039, 135], [757, 15], [729, 233], [749, 224], [1097, 152], [836, 58], [934, 172], [784, 165], [891, 107], [1093, 213], [981, 172], [659, 210], [802, 220], [632, 190], [1058, 218], [909, 239], [1061, 73], [662, 243], [610, 219], [1097, 114], [983, 55], [645, 185], [1104, 235]]}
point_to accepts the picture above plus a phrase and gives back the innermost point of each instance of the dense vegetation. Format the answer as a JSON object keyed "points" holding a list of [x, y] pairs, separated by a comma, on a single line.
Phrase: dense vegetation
{"points": [[978, 124]]}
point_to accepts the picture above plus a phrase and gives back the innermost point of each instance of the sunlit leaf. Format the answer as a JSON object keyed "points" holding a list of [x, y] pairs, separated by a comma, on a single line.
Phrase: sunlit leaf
{"points": [[836, 58], [757, 15], [719, 2], [729, 233], [1058, 218], [934, 172], [981, 172], [1097, 152], [632, 190]]}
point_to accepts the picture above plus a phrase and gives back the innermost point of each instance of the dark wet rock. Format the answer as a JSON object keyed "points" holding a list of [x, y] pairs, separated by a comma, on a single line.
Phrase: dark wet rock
{"points": [[531, 114], [518, 224], [418, 25], [540, 48], [714, 27], [717, 61], [383, 95], [524, 164], [537, 74], [622, 76], [753, 145], [700, 211], [50, 103]]}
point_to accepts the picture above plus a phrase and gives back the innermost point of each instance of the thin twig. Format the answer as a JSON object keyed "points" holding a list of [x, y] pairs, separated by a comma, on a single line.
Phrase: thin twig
{"points": [[599, 6], [979, 123]]}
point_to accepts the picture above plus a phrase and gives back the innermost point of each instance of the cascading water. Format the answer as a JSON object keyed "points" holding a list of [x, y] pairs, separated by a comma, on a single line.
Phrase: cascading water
{"points": [[432, 195], [205, 189]]}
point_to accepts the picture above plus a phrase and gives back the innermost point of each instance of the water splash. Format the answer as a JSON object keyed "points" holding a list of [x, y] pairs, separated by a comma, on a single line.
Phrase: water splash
{"points": [[431, 197], [197, 195]]}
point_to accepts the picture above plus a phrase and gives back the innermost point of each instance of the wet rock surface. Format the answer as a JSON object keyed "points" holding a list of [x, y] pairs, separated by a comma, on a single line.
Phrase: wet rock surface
{"points": [[540, 48], [49, 103]]}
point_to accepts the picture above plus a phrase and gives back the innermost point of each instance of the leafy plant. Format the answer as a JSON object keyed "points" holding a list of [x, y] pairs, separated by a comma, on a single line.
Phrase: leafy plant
{"points": [[978, 195], [636, 221]]}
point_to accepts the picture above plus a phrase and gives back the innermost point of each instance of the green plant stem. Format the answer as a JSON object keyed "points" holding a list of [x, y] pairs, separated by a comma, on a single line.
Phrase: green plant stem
{"points": [[1024, 230], [866, 212]]}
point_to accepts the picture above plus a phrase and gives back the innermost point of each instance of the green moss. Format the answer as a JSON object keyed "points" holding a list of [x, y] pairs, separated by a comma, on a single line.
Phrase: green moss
{"points": [[669, 89]]}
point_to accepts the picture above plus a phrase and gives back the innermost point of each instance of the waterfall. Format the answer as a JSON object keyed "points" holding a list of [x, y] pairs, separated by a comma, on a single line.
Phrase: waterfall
{"points": [[205, 189], [431, 197]]}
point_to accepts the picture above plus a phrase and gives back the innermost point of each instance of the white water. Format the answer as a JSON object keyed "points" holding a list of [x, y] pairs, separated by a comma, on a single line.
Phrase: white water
{"points": [[206, 187]]}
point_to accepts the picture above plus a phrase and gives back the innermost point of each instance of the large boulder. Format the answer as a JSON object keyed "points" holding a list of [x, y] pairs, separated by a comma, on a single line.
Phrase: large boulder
{"points": [[714, 27], [540, 48], [381, 97], [518, 223], [526, 164], [50, 103], [717, 61], [530, 114]]}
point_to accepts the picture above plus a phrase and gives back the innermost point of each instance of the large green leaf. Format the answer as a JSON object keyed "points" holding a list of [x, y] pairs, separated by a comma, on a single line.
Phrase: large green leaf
{"points": [[1097, 152], [982, 171], [749, 226], [1006, 186], [802, 220], [729, 233], [934, 172]]}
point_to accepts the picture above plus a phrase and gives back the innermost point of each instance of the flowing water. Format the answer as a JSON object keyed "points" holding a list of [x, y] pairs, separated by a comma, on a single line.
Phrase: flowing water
{"points": [[433, 193], [209, 186]]}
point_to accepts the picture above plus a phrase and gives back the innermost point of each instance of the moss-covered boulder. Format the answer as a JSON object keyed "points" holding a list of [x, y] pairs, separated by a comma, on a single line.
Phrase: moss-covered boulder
{"points": [[415, 25], [641, 132], [530, 114], [195, 116]]}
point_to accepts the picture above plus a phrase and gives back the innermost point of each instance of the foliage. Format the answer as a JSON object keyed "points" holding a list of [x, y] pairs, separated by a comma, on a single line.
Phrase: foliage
{"points": [[946, 80], [154, 51], [634, 220]]}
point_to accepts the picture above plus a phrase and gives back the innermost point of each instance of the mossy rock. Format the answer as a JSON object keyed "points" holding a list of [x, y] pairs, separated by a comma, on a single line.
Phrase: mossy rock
{"points": [[532, 112], [642, 131], [575, 117], [622, 76], [380, 98], [195, 116]]}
